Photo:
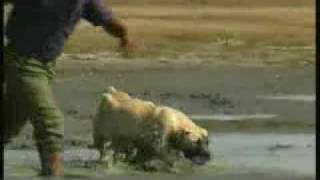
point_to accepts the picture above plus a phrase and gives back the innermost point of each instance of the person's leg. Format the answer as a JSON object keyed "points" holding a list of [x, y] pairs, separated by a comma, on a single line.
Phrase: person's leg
{"points": [[47, 119], [14, 118], [14, 109]]}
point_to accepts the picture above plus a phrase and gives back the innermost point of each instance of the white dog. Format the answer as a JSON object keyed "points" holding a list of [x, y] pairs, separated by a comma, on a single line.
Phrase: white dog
{"points": [[127, 122]]}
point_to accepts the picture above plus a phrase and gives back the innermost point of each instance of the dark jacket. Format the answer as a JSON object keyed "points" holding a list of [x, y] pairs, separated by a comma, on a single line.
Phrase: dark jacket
{"points": [[39, 28]]}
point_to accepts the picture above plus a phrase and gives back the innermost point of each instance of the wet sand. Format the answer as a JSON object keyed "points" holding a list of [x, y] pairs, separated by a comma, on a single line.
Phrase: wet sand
{"points": [[227, 98]]}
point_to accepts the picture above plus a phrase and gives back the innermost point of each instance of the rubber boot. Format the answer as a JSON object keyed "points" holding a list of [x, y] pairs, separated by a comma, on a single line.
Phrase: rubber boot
{"points": [[51, 163]]}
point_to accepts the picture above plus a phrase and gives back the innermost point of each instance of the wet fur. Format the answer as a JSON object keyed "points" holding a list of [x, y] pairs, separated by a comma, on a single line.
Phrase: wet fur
{"points": [[131, 124]]}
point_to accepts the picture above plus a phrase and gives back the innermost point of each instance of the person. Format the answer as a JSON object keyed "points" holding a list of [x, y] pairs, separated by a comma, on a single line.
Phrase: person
{"points": [[36, 32]]}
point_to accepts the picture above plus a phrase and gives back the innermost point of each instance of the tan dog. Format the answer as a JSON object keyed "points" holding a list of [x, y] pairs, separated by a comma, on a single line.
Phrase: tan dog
{"points": [[128, 122]]}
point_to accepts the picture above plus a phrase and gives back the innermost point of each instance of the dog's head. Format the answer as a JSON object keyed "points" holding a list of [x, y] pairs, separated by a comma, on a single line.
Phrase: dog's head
{"points": [[195, 146]]}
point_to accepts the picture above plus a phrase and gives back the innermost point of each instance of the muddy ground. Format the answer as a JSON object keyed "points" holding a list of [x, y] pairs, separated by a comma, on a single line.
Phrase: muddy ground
{"points": [[261, 119]]}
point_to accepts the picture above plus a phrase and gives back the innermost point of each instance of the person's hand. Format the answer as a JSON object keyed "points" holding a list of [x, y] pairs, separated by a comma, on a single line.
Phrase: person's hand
{"points": [[127, 45]]}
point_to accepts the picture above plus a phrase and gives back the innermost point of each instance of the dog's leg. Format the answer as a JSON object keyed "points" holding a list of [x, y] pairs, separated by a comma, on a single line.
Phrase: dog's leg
{"points": [[98, 144]]}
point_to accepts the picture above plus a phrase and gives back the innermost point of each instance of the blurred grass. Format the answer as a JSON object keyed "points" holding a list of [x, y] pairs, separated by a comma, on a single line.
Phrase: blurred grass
{"points": [[229, 3], [170, 28]]}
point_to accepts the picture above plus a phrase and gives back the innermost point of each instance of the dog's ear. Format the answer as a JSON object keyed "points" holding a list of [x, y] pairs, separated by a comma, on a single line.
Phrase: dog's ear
{"points": [[186, 132], [182, 133]]}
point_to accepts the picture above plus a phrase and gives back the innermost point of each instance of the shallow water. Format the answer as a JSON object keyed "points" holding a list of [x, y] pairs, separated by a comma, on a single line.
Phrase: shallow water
{"points": [[287, 152], [233, 117], [291, 97], [235, 153]]}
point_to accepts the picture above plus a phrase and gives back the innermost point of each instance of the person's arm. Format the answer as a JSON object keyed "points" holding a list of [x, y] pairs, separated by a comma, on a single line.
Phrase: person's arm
{"points": [[98, 15], [117, 29]]}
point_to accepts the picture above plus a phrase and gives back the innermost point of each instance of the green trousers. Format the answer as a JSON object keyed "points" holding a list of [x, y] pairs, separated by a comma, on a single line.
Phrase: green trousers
{"points": [[28, 97]]}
